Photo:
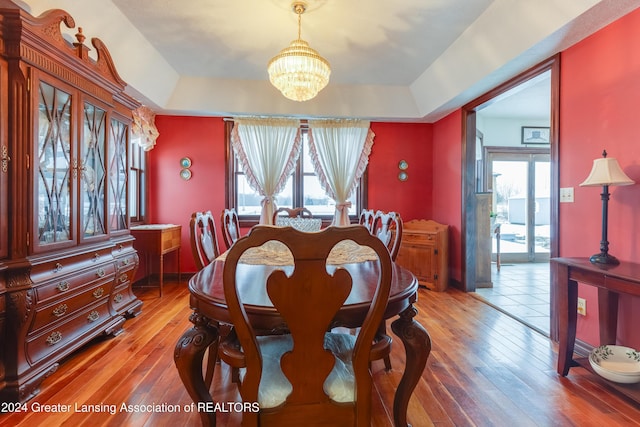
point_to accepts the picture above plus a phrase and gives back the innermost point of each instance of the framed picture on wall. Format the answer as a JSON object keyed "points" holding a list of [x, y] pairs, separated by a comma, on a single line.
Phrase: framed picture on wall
{"points": [[535, 135]]}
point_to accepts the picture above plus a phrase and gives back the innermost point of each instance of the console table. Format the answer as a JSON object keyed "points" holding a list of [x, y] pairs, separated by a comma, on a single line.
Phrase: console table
{"points": [[611, 281], [158, 240]]}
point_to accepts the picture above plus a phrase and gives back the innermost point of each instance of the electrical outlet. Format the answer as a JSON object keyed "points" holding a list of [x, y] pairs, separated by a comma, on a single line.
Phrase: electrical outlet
{"points": [[566, 195], [582, 306]]}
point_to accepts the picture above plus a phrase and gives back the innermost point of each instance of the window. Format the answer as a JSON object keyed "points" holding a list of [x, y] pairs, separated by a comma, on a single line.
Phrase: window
{"points": [[303, 188], [137, 181]]}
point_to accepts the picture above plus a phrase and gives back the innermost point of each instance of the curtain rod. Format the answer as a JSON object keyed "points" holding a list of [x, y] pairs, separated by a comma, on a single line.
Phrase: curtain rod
{"points": [[303, 122]]}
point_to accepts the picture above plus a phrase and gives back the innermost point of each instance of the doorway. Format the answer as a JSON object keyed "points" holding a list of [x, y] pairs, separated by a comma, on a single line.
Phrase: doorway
{"points": [[511, 153]]}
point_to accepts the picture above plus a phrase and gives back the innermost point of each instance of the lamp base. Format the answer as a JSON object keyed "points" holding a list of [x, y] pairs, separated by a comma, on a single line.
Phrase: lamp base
{"points": [[604, 258]]}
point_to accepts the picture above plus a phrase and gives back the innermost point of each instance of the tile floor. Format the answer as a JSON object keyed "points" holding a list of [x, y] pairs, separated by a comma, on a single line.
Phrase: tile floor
{"points": [[521, 291]]}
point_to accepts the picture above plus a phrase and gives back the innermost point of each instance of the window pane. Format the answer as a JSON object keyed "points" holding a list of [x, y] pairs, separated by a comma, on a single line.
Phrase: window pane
{"points": [[133, 194]]}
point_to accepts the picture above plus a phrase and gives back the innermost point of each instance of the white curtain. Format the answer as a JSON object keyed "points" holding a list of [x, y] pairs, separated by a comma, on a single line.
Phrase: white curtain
{"points": [[340, 151], [267, 149]]}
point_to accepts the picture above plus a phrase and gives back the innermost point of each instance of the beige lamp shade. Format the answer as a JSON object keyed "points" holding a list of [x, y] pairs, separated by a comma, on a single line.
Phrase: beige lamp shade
{"points": [[606, 171]]}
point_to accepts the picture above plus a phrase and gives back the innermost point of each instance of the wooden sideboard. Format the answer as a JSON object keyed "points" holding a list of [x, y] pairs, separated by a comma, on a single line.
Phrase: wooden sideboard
{"points": [[157, 240], [611, 281], [425, 252]]}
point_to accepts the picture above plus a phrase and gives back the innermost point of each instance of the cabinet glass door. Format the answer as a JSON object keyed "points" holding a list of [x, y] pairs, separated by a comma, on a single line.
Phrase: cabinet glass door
{"points": [[118, 172], [93, 172], [53, 184]]}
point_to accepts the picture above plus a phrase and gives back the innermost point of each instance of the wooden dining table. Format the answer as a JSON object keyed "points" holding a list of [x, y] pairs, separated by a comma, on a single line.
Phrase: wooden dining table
{"points": [[210, 313]]}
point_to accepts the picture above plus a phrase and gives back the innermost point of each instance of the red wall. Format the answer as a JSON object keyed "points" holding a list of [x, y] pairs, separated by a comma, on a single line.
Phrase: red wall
{"points": [[172, 200], [599, 93], [395, 142], [447, 185]]}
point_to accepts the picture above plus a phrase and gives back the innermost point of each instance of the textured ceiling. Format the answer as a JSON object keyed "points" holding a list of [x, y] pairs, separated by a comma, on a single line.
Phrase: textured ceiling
{"points": [[410, 60]]}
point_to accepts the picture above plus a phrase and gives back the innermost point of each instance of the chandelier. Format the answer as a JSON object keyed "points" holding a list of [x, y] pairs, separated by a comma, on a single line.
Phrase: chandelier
{"points": [[298, 71]]}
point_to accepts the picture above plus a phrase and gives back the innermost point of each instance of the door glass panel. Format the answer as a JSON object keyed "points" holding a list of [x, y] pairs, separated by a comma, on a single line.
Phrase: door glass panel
{"points": [[542, 209], [54, 161], [118, 215], [510, 191], [93, 173]]}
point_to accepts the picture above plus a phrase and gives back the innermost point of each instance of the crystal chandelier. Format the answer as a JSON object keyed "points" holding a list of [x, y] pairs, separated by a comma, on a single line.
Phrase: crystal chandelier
{"points": [[298, 71]]}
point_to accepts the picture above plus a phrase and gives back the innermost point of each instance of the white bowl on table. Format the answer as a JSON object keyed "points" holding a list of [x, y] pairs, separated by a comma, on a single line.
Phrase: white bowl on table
{"points": [[616, 363]]}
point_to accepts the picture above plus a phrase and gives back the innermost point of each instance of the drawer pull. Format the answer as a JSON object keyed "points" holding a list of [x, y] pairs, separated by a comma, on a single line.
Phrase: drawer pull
{"points": [[118, 298], [126, 261], [93, 316], [100, 272], [54, 338], [57, 268], [124, 278], [98, 293], [120, 247], [60, 310], [63, 286], [96, 257]]}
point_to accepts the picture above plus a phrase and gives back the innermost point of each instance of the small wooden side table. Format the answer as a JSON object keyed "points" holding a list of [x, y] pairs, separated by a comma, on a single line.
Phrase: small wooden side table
{"points": [[157, 240], [611, 281]]}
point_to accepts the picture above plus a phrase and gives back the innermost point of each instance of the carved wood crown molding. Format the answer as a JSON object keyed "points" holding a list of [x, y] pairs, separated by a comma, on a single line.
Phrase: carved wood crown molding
{"points": [[38, 32]]}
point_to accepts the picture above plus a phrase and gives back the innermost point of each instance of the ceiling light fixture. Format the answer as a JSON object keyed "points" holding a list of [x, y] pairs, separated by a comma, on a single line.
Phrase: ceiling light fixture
{"points": [[298, 71]]}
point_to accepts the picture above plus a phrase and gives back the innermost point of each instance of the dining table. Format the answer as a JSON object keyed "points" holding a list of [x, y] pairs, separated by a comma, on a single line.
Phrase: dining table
{"points": [[210, 315]]}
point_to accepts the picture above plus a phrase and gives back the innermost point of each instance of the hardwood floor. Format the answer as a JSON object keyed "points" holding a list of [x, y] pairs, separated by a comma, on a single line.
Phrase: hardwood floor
{"points": [[485, 369]]}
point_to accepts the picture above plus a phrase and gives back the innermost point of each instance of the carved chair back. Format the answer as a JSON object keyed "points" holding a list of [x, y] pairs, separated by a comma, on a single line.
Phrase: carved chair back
{"points": [[388, 228], [292, 376], [230, 226], [204, 241]]}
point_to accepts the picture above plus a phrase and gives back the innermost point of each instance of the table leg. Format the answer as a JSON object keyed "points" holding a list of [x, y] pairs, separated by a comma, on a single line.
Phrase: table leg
{"points": [[417, 345], [188, 356], [567, 309], [608, 312], [161, 272]]}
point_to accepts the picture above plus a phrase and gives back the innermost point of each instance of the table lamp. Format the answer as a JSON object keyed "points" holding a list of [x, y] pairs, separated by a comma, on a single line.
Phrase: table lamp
{"points": [[605, 172]]}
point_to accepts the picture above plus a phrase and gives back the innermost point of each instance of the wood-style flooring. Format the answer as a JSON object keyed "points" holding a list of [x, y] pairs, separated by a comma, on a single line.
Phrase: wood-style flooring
{"points": [[485, 369]]}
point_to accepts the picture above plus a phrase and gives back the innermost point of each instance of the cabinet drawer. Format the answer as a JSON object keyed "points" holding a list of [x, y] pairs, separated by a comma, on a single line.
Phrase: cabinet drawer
{"points": [[124, 276], [70, 284], [170, 239], [50, 270], [123, 247], [419, 238], [59, 337], [121, 298], [65, 307], [127, 262]]}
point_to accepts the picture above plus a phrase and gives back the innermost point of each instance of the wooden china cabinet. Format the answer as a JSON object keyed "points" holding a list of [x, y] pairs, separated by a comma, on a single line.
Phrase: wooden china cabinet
{"points": [[66, 254]]}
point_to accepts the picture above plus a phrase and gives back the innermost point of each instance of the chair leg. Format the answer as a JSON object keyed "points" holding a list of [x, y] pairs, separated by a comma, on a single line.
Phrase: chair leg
{"points": [[387, 363], [387, 359]]}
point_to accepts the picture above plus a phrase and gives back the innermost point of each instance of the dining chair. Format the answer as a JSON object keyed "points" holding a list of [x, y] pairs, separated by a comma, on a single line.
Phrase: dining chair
{"points": [[308, 376], [366, 218], [388, 228], [204, 242], [204, 247], [292, 213], [230, 226]]}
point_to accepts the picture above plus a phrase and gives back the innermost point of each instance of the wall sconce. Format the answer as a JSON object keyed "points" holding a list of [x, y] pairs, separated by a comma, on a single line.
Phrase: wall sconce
{"points": [[605, 172]]}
